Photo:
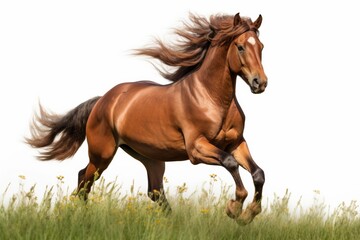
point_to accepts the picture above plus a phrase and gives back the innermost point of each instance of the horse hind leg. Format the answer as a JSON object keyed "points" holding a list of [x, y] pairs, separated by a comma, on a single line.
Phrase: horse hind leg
{"points": [[86, 179], [102, 149], [91, 173], [81, 176]]}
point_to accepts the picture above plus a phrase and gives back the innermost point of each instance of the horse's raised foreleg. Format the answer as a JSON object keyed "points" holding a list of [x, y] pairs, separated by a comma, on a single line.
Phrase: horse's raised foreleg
{"points": [[204, 152], [243, 157]]}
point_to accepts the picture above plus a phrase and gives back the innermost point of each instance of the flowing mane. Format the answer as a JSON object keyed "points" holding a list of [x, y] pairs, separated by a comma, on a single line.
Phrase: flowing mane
{"points": [[188, 53]]}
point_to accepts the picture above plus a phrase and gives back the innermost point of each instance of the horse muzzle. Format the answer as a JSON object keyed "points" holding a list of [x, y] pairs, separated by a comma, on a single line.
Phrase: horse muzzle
{"points": [[258, 85]]}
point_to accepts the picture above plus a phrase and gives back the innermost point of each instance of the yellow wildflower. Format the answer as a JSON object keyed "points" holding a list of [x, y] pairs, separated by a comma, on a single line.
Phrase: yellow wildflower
{"points": [[22, 177], [60, 177], [166, 180], [213, 177], [204, 210]]}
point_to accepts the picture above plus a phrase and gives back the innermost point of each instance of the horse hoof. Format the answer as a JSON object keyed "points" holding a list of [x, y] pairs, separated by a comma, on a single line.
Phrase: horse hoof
{"points": [[233, 209], [249, 214], [244, 220]]}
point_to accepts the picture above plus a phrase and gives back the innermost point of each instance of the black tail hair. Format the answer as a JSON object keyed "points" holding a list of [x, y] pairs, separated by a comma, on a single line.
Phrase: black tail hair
{"points": [[60, 136]]}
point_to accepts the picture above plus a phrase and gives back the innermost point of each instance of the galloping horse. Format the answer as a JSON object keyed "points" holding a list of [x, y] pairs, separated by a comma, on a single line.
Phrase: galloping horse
{"points": [[195, 117]]}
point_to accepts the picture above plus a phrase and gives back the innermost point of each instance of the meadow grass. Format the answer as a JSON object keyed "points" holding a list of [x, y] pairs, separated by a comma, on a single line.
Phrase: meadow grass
{"points": [[110, 214]]}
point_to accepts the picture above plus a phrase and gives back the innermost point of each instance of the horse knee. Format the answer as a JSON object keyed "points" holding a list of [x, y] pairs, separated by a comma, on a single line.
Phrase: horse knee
{"points": [[259, 177], [230, 163]]}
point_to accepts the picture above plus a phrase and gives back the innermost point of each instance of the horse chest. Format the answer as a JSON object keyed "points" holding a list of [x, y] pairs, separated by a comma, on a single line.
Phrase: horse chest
{"points": [[232, 128], [226, 138]]}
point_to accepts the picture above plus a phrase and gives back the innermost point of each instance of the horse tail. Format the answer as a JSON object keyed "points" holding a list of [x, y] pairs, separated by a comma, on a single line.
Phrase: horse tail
{"points": [[60, 136]]}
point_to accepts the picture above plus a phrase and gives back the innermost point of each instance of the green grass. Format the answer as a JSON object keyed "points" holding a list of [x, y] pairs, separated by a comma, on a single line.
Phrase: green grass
{"points": [[109, 214]]}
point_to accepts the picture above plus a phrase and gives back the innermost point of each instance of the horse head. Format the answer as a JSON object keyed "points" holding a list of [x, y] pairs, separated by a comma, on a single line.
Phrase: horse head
{"points": [[244, 54]]}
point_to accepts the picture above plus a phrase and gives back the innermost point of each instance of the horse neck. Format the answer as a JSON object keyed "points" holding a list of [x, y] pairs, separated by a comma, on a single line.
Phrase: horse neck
{"points": [[215, 77]]}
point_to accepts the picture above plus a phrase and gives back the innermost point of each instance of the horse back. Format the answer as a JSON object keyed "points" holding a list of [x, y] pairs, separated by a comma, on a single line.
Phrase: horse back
{"points": [[143, 116]]}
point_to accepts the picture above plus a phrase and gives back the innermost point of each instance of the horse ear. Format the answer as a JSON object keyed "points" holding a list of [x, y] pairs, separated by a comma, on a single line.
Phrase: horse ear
{"points": [[258, 22], [237, 19]]}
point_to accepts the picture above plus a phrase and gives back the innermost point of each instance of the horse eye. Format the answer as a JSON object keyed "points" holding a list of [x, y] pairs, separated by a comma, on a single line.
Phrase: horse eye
{"points": [[241, 48]]}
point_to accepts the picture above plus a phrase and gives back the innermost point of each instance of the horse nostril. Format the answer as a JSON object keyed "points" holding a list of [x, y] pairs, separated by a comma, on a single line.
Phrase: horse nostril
{"points": [[255, 83]]}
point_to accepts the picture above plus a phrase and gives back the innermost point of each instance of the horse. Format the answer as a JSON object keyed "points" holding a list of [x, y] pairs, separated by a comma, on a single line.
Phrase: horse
{"points": [[195, 117]]}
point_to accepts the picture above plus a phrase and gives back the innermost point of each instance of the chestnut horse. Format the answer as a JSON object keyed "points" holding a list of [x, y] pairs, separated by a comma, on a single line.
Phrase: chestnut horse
{"points": [[196, 117]]}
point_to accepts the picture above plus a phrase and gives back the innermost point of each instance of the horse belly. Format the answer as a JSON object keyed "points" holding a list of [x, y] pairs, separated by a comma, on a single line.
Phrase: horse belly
{"points": [[161, 154], [153, 145]]}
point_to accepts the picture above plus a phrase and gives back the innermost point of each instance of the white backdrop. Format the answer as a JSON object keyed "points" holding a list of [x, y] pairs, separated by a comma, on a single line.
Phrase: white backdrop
{"points": [[303, 131]]}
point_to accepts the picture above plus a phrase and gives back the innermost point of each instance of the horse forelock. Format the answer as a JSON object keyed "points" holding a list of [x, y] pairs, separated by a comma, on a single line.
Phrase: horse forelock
{"points": [[194, 39], [225, 31]]}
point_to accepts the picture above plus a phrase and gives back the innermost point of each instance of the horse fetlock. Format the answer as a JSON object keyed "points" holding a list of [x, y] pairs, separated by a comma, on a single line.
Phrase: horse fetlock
{"points": [[160, 199], [241, 194], [155, 195]]}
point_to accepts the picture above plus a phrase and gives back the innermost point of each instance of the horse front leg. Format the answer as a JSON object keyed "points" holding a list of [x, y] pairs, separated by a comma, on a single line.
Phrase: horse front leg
{"points": [[155, 171], [243, 157], [204, 152]]}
